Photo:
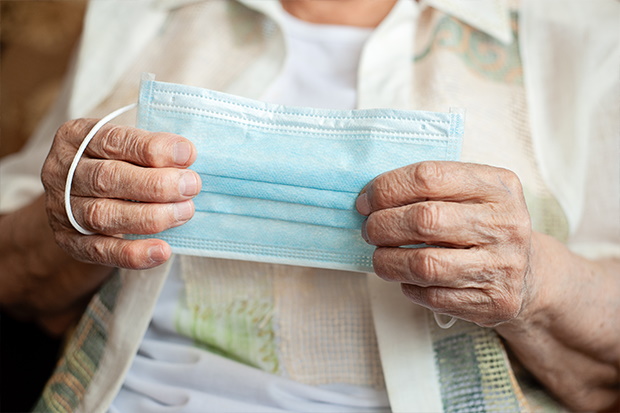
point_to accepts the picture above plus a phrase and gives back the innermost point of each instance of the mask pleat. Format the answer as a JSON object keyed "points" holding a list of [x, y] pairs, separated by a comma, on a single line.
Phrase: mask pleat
{"points": [[263, 208], [277, 192]]}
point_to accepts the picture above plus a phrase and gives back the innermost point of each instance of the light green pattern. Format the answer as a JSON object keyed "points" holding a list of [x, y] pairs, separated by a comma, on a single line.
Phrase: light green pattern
{"points": [[239, 329]]}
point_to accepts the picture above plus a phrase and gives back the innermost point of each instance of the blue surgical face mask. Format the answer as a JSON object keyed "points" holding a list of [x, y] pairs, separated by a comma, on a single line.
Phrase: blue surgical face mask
{"points": [[280, 183]]}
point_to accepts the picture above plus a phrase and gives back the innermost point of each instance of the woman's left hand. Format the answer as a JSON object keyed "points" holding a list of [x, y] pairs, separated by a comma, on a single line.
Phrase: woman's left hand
{"points": [[477, 212]]}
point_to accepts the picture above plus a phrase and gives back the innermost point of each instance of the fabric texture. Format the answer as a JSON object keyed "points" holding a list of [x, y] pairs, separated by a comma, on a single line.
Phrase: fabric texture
{"points": [[472, 371], [281, 319], [75, 372]]}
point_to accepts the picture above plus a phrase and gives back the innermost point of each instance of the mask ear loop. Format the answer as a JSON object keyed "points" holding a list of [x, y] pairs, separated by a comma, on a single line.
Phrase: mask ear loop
{"points": [[442, 324], [76, 159]]}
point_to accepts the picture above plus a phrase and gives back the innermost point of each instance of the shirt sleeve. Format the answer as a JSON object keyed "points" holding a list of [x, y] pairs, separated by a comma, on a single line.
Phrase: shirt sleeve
{"points": [[571, 57]]}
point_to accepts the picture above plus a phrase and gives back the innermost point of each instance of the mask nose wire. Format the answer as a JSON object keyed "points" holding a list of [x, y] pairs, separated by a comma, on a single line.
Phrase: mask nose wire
{"points": [[76, 159]]}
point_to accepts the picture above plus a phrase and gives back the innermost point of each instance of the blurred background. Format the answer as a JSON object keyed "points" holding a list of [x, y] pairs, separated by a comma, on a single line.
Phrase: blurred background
{"points": [[37, 39]]}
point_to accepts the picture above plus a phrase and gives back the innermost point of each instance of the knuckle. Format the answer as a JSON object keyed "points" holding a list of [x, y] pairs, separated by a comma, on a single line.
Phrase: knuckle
{"points": [[506, 306], [427, 267], [95, 216], [77, 251], [427, 176], [71, 133], [102, 179], [113, 139], [100, 253], [122, 142], [154, 221], [130, 256], [116, 252], [148, 151], [61, 151], [71, 128], [156, 225], [413, 264], [426, 219], [510, 180], [518, 232], [159, 184], [435, 299]]}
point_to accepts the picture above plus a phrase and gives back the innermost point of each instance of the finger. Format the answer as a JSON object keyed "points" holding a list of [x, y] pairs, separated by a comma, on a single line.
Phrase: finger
{"points": [[154, 149], [114, 216], [438, 267], [122, 180], [435, 223], [439, 181], [469, 304], [115, 252]]}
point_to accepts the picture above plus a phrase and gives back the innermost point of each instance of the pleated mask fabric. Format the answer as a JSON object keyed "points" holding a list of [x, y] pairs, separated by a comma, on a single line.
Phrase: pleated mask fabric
{"points": [[279, 183]]}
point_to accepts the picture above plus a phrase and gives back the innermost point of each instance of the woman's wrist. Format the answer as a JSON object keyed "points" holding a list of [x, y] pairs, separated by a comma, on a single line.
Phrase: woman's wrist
{"points": [[538, 300], [38, 280], [565, 333]]}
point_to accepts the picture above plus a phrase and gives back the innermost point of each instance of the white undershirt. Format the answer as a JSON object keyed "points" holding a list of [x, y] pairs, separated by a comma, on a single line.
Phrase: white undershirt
{"points": [[320, 71], [321, 66]]}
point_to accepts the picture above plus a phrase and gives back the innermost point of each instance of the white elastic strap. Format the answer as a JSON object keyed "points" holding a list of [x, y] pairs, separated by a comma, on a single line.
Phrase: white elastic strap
{"points": [[443, 324], [76, 159]]}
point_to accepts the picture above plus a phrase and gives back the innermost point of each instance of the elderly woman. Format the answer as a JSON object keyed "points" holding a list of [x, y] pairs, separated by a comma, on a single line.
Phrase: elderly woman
{"points": [[528, 223]]}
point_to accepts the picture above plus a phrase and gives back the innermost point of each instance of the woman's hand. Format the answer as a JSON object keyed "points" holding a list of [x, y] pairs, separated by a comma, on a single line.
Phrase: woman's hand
{"points": [[42, 282], [121, 165], [557, 311], [478, 212]]}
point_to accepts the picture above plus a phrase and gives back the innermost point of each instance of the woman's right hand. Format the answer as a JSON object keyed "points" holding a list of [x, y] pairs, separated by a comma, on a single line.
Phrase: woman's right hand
{"points": [[120, 166]]}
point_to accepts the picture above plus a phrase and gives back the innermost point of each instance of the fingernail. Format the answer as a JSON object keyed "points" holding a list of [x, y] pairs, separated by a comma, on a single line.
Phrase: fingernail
{"points": [[188, 185], [362, 204], [364, 231], [156, 254], [183, 211], [181, 152]]}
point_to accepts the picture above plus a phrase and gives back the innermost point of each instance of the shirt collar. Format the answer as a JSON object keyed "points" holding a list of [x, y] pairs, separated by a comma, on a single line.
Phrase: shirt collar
{"points": [[489, 16]]}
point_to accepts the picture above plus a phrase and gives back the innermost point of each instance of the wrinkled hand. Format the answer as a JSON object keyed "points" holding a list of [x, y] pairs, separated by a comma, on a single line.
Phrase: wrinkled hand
{"points": [[120, 165], [477, 213]]}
